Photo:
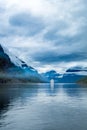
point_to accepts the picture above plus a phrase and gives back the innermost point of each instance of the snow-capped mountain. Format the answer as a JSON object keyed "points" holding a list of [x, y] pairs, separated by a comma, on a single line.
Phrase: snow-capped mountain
{"points": [[13, 66], [70, 76], [15, 60], [73, 74], [52, 74]]}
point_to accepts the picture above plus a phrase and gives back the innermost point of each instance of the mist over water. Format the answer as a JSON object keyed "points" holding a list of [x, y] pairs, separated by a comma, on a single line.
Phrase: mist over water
{"points": [[43, 107]]}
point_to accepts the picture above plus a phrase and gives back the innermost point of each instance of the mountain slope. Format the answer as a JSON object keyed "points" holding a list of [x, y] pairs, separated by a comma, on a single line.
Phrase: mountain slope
{"points": [[12, 67], [82, 80], [52, 74], [70, 76], [5, 61]]}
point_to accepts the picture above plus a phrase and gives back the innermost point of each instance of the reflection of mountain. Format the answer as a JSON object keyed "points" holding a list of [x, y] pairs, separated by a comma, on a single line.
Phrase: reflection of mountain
{"points": [[23, 93], [12, 66], [31, 105], [10, 94], [71, 90], [70, 76]]}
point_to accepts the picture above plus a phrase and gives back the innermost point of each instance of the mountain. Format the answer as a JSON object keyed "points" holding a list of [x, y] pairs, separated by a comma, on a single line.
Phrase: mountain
{"points": [[82, 80], [12, 68], [52, 74], [70, 76]]}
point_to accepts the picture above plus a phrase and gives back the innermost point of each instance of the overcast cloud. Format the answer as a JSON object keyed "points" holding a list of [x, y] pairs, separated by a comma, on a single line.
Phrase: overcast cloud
{"points": [[47, 34]]}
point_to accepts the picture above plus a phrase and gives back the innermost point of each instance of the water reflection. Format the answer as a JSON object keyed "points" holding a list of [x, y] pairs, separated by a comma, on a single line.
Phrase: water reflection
{"points": [[12, 93], [38, 101], [52, 84]]}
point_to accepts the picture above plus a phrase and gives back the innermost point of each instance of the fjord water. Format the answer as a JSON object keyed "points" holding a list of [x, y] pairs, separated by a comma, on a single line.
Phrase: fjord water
{"points": [[43, 107]]}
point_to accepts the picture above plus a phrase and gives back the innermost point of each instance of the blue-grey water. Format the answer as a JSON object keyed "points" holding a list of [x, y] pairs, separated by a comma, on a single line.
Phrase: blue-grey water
{"points": [[43, 107]]}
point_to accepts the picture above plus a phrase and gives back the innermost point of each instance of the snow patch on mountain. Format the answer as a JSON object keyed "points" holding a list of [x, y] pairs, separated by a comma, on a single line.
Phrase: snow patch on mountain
{"points": [[13, 58], [16, 61]]}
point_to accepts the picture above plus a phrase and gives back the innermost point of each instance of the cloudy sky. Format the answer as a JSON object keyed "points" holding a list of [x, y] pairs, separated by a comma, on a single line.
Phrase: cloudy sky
{"points": [[47, 34]]}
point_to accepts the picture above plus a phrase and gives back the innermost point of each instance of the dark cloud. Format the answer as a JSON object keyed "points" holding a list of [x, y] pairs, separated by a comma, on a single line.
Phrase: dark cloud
{"points": [[50, 36], [27, 23], [52, 33], [53, 57], [58, 39]]}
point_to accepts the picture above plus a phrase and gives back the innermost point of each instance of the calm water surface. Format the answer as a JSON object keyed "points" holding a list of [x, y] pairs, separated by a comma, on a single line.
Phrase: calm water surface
{"points": [[43, 107]]}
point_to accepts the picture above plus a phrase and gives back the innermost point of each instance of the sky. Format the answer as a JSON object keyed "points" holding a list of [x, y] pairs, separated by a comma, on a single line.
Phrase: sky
{"points": [[46, 34]]}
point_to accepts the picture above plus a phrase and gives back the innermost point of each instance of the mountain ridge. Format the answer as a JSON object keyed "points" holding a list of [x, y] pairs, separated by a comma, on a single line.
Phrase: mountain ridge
{"points": [[72, 75], [11, 67]]}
